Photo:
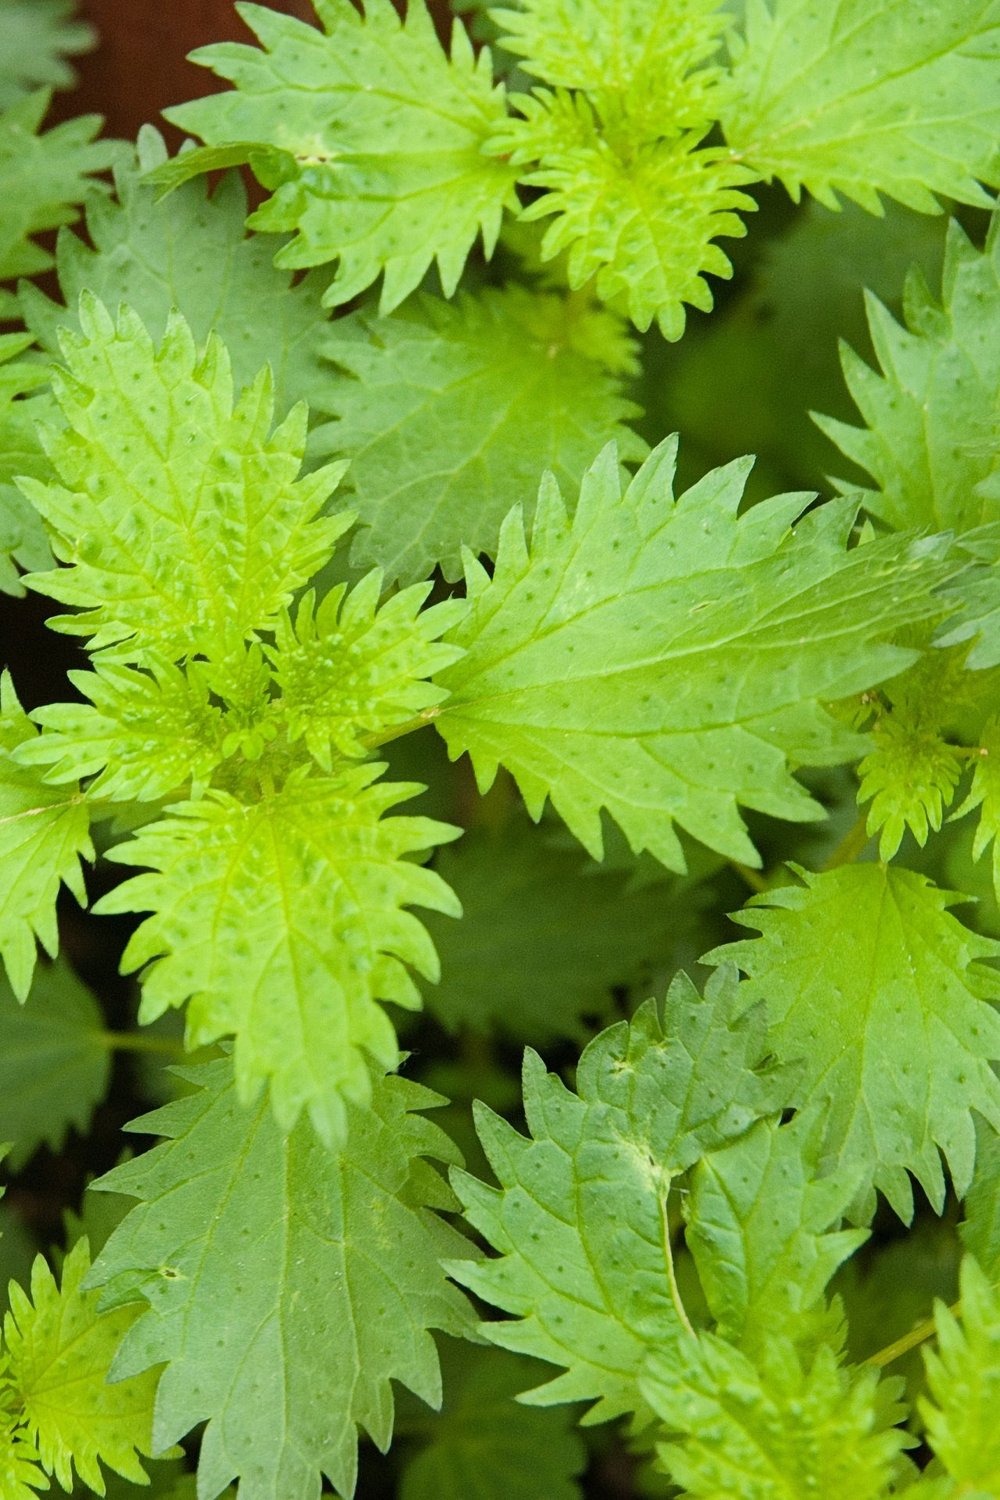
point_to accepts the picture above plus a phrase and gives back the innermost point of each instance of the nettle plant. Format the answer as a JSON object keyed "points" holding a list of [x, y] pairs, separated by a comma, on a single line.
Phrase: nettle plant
{"points": [[319, 554]]}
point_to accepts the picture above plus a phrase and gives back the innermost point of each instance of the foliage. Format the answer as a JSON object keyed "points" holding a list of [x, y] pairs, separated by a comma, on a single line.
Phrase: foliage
{"points": [[353, 589]]}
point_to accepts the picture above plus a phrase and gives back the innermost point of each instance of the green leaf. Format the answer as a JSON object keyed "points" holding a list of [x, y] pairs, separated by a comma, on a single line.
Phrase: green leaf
{"points": [[980, 1229], [785, 1431], [545, 935], [54, 1063], [580, 1219], [931, 415], [190, 253], [868, 97], [352, 673], [450, 414], [43, 178], [639, 216], [60, 1350], [665, 659], [179, 515], [638, 59], [885, 998], [964, 1377], [486, 1446], [763, 1232], [390, 176], [20, 1476], [44, 834], [283, 920], [36, 36], [23, 543], [327, 1264]]}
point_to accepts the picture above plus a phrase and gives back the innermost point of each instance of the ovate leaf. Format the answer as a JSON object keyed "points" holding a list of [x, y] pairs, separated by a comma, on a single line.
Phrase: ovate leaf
{"points": [[389, 174], [42, 178], [328, 1264], [964, 1378], [930, 439], [61, 1349], [451, 413], [703, 645], [580, 1219], [54, 1062], [869, 96], [788, 1431], [189, 252], [885, 998], [282, 920], [36, 37], [179, 514], [44, 834]]}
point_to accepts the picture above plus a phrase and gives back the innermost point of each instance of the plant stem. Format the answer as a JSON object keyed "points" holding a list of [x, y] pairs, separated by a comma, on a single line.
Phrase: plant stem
{"points": [[668, 1259], [851, 845], [911, 1340], [131, 1041], [755, 879]]}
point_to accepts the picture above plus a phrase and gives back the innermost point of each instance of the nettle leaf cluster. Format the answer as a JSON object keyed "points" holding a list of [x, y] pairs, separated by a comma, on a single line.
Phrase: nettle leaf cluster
{"points": [[424, 708]]}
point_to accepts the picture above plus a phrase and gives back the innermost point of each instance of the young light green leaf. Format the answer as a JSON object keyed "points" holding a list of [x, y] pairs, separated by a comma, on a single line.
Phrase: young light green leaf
{"points": [[352, 672], [885, 998], [191, 253], [60, 1349], [641, 60], [328, 1262], [54, 1063], [580, 1218], [179, 515], [642, 219], [390, 176], [783, 1431], [867, 97], [43, 178], [282, 920], [451, 413], [930, 440], [36, 36], [20, 1476], [484, 1445], [23, 543], [44, 834], [545, 935], [763, 1230], [665, 659], [964, 1377]]}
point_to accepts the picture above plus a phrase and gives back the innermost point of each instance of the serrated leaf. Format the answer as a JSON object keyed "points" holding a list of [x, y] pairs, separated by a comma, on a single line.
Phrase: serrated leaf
{"points": [[179, 514], [931, 414], [191, 253], [327, 1262], [786, 1431], [545, 935], [869, 96], [20, 1476], [54, 1061], [641, 218], [639, 60], [980, 1227], [484, 1445], [351, 672], [282, 920], [580, 1217], [763, 1227], [451, 413], [887, 1000], [964, 1377], [60, 1349], [36, 37], [44, 834], [390, 177], [665, 660], [23, 543], [43, 177]]}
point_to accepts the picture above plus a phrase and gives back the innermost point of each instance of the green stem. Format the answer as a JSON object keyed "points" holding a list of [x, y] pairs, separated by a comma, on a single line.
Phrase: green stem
{"points": [[755, 879], [373, 741], [668, 1260], [132, 1041], [851, 845], [911, 1340]]}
